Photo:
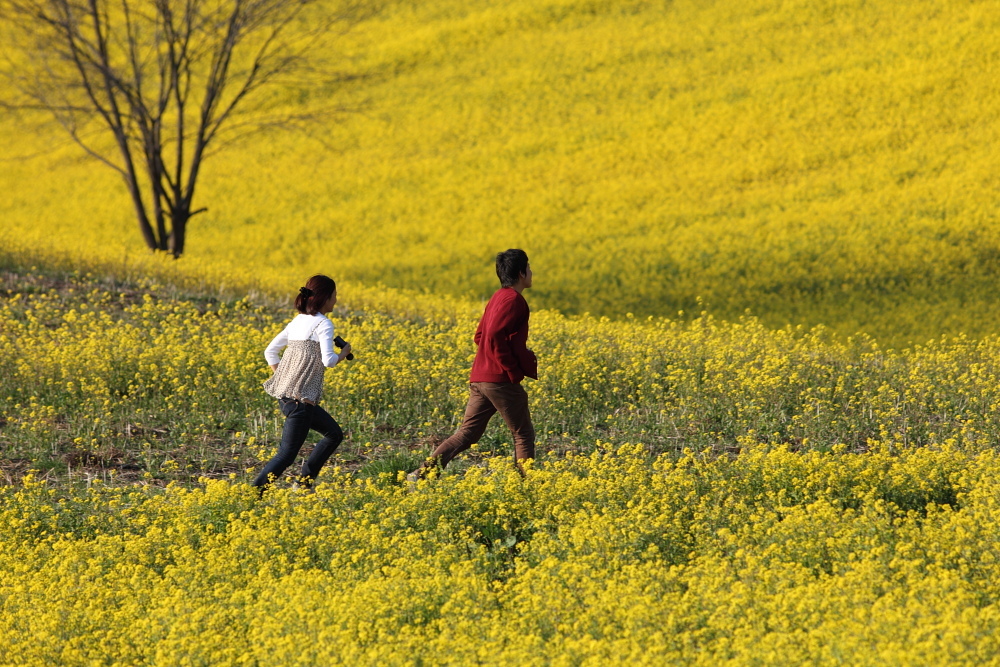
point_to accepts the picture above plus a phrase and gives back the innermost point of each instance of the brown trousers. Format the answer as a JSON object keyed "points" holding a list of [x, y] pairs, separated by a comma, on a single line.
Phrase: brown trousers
{"points": [[485, 400]]}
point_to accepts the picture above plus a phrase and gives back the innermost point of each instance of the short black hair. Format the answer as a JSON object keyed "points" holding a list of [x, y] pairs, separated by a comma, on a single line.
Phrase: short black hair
{"points": [[511, 264]]}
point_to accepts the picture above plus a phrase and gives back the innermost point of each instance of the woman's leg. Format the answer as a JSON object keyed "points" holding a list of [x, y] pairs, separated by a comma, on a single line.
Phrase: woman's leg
{"points": [[298, 418], [332, 434]]}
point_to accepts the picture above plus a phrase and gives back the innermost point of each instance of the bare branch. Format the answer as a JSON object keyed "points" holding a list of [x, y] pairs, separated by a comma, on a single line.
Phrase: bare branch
{"points": [[74, 134], [168, 81]]}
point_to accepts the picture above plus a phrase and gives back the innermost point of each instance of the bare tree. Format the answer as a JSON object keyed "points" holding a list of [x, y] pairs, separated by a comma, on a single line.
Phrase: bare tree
{"points": [[148, 86]]}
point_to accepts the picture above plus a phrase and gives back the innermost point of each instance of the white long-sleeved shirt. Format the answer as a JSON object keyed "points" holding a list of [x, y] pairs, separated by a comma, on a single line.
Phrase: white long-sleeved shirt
{"points": [[299, 328]]}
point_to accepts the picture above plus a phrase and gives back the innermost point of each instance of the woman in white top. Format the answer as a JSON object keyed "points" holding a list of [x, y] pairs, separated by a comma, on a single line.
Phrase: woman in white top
{"points": [[297, 382]]}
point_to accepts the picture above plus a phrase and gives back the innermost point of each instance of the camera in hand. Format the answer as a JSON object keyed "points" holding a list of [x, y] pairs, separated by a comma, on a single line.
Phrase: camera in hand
{"points": [[341, 343]]}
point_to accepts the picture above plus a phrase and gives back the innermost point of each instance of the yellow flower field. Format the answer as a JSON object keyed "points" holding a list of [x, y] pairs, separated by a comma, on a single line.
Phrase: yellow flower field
{"points": [[769, 558], [814, 501], [765, 248], [131, 380], [817, 162]]}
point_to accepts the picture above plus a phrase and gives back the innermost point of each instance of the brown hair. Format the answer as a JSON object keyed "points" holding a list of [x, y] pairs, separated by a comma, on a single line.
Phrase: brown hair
{"points": [[315, 294]]}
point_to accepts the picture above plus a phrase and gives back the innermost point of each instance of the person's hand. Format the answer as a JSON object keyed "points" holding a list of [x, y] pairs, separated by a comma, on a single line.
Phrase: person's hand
{"points": [[344, 351]]}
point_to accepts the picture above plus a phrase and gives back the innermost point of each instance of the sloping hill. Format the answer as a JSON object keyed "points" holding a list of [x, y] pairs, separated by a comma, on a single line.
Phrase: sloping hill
{"points": [[813, 161]]}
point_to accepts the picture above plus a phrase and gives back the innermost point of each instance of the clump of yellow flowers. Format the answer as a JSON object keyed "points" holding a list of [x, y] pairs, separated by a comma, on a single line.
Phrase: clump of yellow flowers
{"points": [[769, 557]]}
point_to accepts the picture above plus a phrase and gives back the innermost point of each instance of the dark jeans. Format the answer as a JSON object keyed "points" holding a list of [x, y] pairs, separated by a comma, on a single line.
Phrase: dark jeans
{"points": [[299, 418], [485, 400]]}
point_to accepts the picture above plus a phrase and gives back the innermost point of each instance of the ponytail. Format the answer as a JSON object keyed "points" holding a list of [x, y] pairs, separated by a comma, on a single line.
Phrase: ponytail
{"points": [[316, 292]]}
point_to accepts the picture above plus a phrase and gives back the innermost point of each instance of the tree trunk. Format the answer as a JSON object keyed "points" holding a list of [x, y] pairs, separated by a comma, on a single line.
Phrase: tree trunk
{"points": [[178, 230]]}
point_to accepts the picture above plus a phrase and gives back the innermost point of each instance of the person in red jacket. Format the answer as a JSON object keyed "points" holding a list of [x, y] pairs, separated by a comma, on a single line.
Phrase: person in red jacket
{"points": [[502, 361]]}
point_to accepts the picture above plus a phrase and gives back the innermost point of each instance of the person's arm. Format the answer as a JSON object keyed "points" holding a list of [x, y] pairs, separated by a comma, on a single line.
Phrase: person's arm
{"points": [[273, 351], [502, 332], [326, 347], [529, 363]]}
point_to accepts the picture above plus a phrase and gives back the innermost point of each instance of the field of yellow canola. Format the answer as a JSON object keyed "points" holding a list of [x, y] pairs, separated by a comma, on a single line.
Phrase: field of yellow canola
{"points": [[711, 488], [815, 161], [126, 380], [768, 558], [787, 498]]}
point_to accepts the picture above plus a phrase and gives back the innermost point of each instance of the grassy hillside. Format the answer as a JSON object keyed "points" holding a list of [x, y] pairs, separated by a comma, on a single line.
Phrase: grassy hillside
{"points": [[812, 161]]}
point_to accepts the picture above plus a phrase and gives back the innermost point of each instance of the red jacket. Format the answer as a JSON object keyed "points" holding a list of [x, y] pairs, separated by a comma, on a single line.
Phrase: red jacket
{"points": [[502, 354]]}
